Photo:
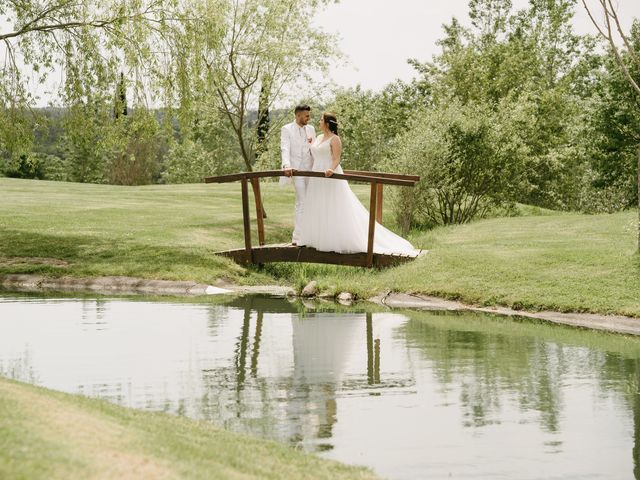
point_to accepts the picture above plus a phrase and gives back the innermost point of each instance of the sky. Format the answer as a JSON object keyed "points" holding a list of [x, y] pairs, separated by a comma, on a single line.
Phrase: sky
{"points": [[379, 36]]}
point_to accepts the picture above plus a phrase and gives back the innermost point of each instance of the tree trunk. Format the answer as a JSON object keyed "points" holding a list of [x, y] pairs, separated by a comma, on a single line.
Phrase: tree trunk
{"points": [[638, 200], [263, 117]]}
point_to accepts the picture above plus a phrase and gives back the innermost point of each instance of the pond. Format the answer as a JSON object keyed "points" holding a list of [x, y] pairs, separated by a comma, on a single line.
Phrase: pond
{"points": [[409, 394]]}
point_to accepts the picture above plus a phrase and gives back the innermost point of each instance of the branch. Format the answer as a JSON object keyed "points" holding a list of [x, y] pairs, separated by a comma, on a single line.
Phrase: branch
{"points": [[630, 49], [29, 27], [619, 58], [609, 37], [595, 24]]}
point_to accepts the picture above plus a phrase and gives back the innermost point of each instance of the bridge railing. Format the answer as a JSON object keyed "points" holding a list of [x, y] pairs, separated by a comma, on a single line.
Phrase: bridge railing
{"points": [[376, 179]]}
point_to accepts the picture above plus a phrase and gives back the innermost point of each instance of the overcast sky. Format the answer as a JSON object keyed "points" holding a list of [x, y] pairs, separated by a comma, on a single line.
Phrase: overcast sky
{"points": [[379, 36]]}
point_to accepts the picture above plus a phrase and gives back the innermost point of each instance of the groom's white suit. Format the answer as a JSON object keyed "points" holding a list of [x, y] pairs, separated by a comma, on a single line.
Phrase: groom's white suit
{"points": [[295, 143]]}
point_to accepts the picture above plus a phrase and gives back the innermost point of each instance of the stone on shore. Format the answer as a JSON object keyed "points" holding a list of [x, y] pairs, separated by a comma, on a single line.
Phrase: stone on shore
{"points": [[310, 290]]}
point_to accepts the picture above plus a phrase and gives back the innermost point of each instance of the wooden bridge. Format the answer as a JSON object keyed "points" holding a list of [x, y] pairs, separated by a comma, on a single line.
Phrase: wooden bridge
{"points": [[293, 253]]}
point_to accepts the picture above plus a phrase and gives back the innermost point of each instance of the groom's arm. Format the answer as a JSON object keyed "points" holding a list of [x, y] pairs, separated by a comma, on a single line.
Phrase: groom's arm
{"points": [[313, 139], [285, 147]]}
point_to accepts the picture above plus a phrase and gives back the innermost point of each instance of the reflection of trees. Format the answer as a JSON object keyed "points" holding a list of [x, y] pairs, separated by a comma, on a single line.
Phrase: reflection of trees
{"points": [[636, 420], [614, 368], [485, 366], [20, 368], [490, 357]]}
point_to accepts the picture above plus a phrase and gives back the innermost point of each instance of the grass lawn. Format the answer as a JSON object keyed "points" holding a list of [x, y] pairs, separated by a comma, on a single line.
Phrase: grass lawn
{"points": [[561, 261], [53, 435]]}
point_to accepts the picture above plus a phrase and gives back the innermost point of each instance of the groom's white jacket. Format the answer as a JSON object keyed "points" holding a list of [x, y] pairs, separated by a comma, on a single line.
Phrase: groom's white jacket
{"points": [[295, 143]]}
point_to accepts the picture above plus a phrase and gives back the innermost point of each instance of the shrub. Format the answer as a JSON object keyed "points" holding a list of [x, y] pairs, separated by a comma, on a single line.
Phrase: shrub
{"points": [[25, 166], [469, 159]]}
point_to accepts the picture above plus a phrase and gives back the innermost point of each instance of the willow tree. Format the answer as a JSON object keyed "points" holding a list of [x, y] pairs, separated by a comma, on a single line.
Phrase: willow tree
{"points": [[83, 42], [627, 56], [263, 52]]}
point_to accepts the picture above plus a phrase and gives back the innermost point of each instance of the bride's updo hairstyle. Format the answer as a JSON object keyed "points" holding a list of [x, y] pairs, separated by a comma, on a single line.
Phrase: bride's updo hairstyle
{"points": [[331, 121]]}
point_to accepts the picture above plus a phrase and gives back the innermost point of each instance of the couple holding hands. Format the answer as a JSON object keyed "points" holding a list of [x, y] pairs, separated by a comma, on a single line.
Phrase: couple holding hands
{"points": [[328, 215]]}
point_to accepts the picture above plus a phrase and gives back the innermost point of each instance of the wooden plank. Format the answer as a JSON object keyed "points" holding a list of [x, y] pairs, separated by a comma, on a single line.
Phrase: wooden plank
{"points": [[372, 223], [307, 173], [290, 253], [399, 176], [379, 204], [308, 255], [259, 215], [246, 222]]}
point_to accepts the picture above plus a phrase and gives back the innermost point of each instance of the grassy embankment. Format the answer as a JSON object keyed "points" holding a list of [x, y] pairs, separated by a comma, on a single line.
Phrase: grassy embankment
{"points": [[567, 262], [53, 435]]}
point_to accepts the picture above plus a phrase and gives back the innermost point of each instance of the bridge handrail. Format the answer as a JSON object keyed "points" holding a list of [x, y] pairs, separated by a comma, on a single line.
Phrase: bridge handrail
{"points": [[352, 175], [376, 179]]}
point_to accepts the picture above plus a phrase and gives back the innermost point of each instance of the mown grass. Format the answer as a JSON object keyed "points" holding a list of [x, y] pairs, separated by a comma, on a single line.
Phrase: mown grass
{"points": [[542, 259], [52, 435]]}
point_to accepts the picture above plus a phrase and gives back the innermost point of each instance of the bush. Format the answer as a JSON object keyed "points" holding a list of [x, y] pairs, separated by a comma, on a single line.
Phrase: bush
{"points": [[190, 162], [609, 198], [469, 159], [25, 166], [134, 149]]}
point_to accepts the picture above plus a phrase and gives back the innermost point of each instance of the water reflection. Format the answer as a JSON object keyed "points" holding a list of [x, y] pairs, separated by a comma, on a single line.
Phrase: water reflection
{"points": [[412, 395], [295, 400]]}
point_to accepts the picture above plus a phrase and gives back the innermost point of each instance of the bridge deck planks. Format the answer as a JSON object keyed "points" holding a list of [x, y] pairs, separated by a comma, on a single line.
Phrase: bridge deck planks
{"points": [[291, 253]]}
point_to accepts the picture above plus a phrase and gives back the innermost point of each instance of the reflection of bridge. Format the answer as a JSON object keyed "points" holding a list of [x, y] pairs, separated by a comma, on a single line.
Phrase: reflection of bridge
{"points": [[299, 402], [292, 253], [262, 305]]}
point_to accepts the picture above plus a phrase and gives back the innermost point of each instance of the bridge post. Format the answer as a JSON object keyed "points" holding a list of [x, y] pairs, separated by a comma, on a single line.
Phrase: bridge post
{"points": [[379, 203], [259, 213], [245, 217], [372, 222]]}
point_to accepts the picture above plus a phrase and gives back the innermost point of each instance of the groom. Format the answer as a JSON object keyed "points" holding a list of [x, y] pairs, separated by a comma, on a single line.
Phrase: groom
{"points": [[295, 142]]}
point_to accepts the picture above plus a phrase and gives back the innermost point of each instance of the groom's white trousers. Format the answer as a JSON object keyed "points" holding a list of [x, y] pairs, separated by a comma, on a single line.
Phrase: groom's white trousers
{"points": [[300, 185]]}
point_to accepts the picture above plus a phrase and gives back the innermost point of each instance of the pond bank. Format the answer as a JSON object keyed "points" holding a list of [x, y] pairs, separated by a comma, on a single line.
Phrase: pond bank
{"points": [[48, 434], [131, 285], [609, 323]]}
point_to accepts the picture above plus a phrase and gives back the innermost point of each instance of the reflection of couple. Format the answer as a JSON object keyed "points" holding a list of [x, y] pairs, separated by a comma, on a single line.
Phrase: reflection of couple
{"points": [[328, 215]]}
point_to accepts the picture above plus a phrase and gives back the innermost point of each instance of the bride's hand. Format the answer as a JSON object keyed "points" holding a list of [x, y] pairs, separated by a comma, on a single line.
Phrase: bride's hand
{"points": [[328, 173]]}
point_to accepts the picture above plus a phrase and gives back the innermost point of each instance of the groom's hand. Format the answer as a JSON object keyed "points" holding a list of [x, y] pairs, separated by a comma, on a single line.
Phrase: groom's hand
{"points": [[288, 172]]}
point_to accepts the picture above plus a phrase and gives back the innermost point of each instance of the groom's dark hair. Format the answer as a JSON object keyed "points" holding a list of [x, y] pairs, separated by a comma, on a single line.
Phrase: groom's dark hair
{"points": [[302, 108]]}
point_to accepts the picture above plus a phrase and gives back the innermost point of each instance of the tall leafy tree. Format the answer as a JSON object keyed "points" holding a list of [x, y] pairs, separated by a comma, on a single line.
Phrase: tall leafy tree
{"points": [[532, 59], [261, 52], [627, 57], [85, 42]]}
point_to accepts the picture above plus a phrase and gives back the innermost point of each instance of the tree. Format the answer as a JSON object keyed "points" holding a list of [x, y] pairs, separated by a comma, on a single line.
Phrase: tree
{"points": [[626, 60], [612, 136], [261, 50], [120, 102], [262, 128], [134, 143], [370, 121], [86, 40], [86, 126], [529, 58], [468, 158]]}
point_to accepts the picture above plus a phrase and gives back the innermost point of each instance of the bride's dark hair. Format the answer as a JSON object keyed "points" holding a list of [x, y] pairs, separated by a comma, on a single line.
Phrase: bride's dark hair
{"points": [[331, 121]]}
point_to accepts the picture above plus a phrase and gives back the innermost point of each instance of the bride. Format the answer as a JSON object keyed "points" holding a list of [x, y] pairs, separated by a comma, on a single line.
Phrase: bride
{"points": [[334, 220]]}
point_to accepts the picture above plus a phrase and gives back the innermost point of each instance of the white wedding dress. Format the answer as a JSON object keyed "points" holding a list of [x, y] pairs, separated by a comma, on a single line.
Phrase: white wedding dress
{"points": [[334, 220]]}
